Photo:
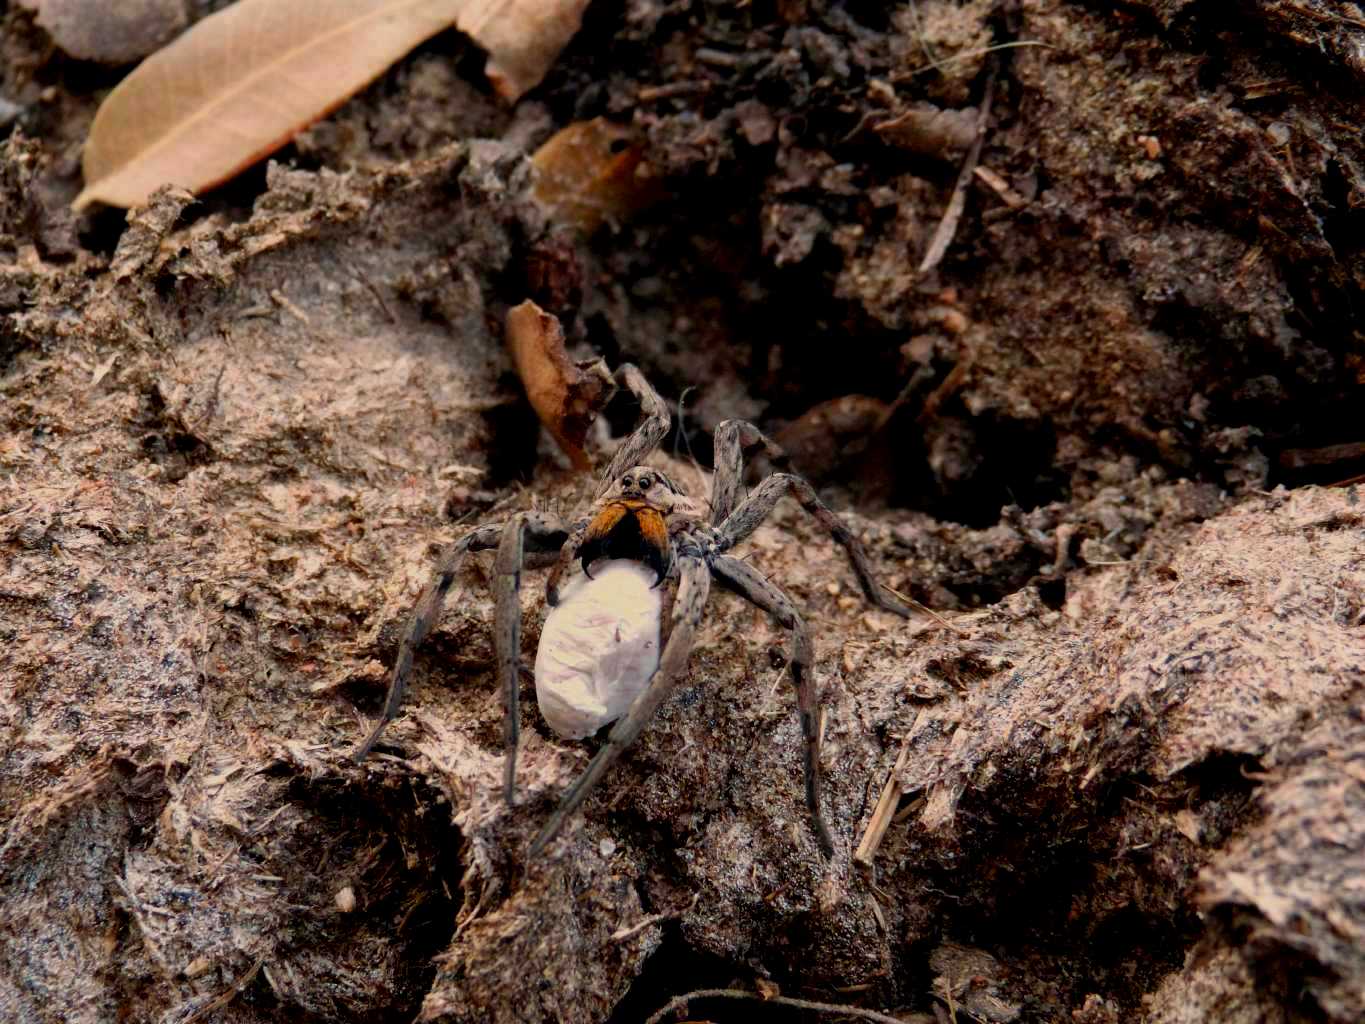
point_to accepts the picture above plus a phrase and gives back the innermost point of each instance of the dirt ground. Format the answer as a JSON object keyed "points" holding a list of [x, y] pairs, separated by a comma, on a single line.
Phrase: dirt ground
{"points": [[1109, 441]]}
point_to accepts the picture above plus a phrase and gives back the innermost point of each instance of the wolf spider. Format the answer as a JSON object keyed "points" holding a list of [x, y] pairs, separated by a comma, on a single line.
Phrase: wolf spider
{"points": [[641, 515]]}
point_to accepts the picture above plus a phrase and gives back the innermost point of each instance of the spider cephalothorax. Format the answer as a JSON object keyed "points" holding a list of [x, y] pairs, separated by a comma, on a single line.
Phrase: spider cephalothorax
{"points": [[613, 646], [632, 522]]}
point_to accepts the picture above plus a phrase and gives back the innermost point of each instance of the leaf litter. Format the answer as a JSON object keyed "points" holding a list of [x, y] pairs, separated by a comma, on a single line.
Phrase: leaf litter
{"points": [[567, 396], [591, 173], [1098, 737], [243, 81]]}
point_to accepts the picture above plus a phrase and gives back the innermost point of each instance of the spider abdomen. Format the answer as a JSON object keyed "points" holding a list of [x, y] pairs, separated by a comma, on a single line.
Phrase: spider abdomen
{"points": [[598, 647]]}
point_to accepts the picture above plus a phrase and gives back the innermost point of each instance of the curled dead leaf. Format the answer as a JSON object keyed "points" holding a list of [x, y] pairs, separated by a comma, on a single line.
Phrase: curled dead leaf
{"points": [[238, 85], [591, 172], [522, 37], [243, 81], [567, 396], [931, 131]]}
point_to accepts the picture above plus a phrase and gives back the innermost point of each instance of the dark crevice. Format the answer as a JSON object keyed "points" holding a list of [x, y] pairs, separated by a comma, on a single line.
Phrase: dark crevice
{"points": [[675, 968], [10, 345], [514, 435], [1049, 888], [391, 841], [167, 440], [145, 795]]}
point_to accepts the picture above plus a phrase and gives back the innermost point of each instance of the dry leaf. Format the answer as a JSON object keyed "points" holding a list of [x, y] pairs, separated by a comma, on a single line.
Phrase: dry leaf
{"points": [[567, 396], [1188, 824], [243, 81], [591, 172], [931, 131], [522, 37], [111, 33], [238, 85], [767, 989]]}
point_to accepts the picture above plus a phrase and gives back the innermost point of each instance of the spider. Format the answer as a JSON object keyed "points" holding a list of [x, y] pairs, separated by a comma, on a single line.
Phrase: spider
{"points": [[639, 520]]}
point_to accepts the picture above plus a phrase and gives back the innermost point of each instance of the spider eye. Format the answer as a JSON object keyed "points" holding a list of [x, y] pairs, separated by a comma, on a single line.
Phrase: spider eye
{"points": [[646, 482], [627, 481]]}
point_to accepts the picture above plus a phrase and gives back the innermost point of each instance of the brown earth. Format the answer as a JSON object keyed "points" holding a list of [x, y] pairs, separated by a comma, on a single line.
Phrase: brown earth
{"points": [[1129, 751]]}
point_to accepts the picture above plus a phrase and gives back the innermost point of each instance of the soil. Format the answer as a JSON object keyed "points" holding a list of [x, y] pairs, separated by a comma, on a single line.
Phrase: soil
{"points": [[1108, 442]]}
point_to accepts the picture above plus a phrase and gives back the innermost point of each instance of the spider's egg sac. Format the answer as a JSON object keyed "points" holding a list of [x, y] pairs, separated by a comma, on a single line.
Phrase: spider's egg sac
{"points": [[598, 648]]}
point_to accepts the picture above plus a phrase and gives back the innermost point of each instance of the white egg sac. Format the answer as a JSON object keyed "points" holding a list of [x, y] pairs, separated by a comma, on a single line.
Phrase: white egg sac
{"points": [[598, 648]]}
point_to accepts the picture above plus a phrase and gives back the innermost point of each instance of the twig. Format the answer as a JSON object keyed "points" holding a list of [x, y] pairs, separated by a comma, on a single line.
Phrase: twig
{"points": [[886, 807], [947, 227], [621, 934], [968, 55], [289, 307], [650, 93], [228, 995], [718, 58], [946, 623], [1002, 188], [1332, 454], [950, 385], [798, 1004]]}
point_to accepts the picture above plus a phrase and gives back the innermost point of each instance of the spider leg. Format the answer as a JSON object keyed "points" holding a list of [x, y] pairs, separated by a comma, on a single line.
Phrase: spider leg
{"points": [[423, 617], [693, 586], [543, 531], [564, 560], [745, 518], [647, 435], [733, 440], [755, 587]]}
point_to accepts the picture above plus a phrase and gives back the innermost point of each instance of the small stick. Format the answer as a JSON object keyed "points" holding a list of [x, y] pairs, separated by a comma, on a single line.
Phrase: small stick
{"points": [[228, 995], [886, 807], [650, 93], [1303, 458], [1001, 187], [721, 59], [621, 934], [947, 227], [946, 623], [798, 1004], [901, 76], [951, 384]]}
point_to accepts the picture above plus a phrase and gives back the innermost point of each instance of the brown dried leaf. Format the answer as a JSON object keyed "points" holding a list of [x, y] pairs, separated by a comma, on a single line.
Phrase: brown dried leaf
{"points": [[567, 396], [238, 85], [241, 82], [522, 37], [110, 33], [591, 172], [931, 131]]}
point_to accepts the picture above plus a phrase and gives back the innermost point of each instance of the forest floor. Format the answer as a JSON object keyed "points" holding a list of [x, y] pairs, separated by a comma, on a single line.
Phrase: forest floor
{"points": [[1108, 441]]}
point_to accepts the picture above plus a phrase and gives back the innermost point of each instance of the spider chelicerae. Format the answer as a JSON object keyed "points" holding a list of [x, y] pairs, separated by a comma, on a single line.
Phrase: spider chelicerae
{"points": [[618, 634]]}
